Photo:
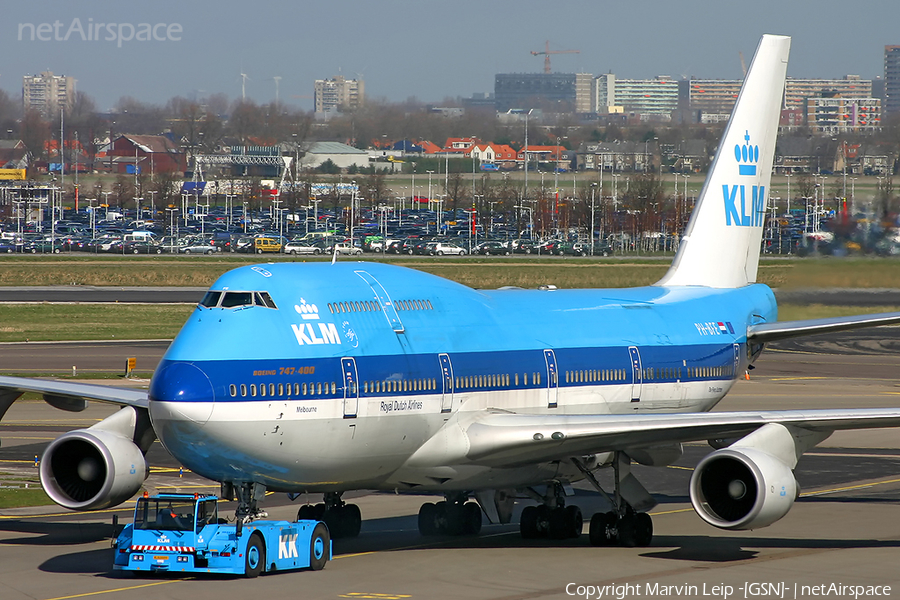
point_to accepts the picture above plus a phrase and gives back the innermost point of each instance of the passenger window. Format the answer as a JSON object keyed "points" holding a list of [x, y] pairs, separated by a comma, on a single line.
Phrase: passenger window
{"points": [[232, 389], [243, 389], [253, 389], [262, 390], [281, 389]]}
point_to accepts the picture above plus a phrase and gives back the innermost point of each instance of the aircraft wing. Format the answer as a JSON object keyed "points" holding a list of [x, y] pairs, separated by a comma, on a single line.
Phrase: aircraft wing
{"points": [[496, 439], [69, 395], [769, 332]]}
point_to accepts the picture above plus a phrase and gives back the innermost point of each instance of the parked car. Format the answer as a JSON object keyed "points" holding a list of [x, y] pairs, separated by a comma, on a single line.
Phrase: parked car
{"points": [[267, 244], [522, 246], [142, 247], [44, 247], [296, 247], [344, 248], [441, 248], [490, 247], [197, 246]]}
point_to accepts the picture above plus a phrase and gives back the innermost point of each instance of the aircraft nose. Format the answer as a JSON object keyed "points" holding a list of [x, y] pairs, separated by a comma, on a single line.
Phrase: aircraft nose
{"points": [[184, 390]]}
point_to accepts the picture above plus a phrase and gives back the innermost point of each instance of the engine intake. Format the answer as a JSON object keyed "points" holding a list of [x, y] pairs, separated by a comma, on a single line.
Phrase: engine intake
{"points": [[91, 469], [742, 488]]}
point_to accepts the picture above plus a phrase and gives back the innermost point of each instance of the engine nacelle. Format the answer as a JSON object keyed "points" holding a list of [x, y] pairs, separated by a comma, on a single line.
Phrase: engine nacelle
{"points": [[90, 469], [742, 488]]}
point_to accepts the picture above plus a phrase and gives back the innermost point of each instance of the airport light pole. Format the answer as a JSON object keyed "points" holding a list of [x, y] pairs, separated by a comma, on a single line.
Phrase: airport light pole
{"points": [[788, 210], [593, 188]]}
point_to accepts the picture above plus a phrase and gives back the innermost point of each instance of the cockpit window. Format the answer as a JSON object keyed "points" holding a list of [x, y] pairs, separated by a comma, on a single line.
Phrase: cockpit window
{"points": [[237, 299], [233, 299], [211, 299], [264, 299]]}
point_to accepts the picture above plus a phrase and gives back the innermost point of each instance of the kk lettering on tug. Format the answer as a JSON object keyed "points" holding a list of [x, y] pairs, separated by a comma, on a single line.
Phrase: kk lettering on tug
{"points": [[377, 377]]}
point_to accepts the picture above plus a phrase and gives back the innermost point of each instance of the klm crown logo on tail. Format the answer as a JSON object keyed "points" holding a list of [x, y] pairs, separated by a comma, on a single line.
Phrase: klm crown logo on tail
{"points": [[736, 197]]}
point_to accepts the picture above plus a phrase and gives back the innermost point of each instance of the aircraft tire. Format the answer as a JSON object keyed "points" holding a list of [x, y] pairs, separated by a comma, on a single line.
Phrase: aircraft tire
{"points": [[472, 516], [599, 529], [574, 521], [255, 557], [456, 519], [558, 528], [306, 513], [352, 520], [528, 523], [628, 534], [318, 547], [643, 529], [427, 519]]}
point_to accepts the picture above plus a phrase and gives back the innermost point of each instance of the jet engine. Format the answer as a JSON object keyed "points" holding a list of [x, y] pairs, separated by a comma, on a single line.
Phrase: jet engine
{"points": [[101, 466], [742, 488]]}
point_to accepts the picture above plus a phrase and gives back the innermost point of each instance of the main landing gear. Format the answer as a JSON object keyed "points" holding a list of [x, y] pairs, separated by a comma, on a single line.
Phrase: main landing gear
{"points": [[622, 525], [343, 520], [453, 516], [552, 518]]}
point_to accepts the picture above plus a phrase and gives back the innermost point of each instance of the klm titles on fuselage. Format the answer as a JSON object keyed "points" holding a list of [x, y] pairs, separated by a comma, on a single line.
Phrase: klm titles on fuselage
{"points": [[747, 156], [306, 334]]}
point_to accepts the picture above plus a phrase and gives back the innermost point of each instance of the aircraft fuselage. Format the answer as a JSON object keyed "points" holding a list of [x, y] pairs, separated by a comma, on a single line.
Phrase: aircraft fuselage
{"points": [[320, 377]]}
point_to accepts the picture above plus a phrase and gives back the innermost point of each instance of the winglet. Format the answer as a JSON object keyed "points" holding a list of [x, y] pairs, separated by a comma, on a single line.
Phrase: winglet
{"points": [[721, 244]]}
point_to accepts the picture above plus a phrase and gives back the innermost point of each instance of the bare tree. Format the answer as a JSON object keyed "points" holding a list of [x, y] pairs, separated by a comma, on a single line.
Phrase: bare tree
{"points": [[34, 132]]}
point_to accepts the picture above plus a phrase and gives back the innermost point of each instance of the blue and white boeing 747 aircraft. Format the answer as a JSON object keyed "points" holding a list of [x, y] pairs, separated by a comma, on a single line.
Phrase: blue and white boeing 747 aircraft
{"points": [[325, 378]]}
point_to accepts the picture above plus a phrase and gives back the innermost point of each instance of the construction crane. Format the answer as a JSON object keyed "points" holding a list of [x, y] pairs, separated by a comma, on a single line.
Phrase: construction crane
{"points": [[547, 52]]}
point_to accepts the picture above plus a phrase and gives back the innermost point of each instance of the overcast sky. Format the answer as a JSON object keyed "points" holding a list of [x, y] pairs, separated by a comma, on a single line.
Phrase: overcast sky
{"points": [[426, 49]]}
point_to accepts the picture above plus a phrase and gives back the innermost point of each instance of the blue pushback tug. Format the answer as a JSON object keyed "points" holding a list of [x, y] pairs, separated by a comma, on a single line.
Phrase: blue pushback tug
{"points": [[183, 533]]}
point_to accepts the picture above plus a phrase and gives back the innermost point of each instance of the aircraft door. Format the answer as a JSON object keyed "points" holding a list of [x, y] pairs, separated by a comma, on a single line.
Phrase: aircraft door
{"points": [[637, 377], [552, 379], [737, 360], [351, 387], [446, 383]]}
